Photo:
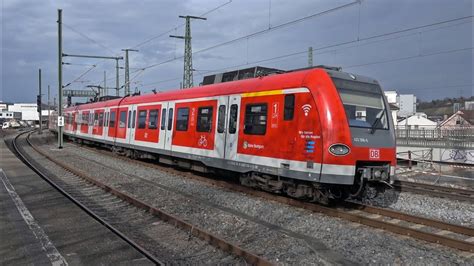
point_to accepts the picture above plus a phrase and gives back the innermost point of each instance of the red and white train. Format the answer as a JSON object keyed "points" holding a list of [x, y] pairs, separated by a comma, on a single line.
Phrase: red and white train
{"points": [[318, 133]]}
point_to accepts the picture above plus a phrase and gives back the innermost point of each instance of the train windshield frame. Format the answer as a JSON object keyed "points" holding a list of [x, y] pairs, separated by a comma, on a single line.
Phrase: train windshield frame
{"points": [[363, 103]]}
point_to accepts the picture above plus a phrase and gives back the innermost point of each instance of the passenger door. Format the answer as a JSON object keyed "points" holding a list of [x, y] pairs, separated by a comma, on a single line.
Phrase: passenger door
{"points": [[132, 114], [222, 125], [232, 127], [168, 132]]}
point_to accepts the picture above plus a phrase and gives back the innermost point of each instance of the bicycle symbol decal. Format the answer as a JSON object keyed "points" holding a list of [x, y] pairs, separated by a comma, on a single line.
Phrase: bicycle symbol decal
{"points": [[202, 141]]}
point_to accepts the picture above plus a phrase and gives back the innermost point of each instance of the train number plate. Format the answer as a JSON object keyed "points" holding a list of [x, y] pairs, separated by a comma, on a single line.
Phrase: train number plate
{"points": [[374, 154]]}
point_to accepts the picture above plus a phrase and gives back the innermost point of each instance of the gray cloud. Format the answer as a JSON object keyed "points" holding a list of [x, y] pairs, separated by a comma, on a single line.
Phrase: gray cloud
{"points": [[29, 41]]}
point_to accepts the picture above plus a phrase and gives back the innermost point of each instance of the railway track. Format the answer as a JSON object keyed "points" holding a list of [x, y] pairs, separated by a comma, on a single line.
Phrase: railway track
{"points": [[430, 230], [111, 207], [436, 191]]}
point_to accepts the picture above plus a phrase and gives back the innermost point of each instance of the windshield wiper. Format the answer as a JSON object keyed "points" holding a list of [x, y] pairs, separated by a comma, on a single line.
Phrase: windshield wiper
{"points": [[377, 120]]}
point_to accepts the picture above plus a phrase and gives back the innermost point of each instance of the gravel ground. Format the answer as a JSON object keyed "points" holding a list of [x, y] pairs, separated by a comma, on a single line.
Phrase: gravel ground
{"points": [[352, 241], [447, 210], [163, 240]]}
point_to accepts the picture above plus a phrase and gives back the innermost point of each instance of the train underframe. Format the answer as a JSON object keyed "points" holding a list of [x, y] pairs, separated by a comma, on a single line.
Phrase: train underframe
{"points": [[371, 178], [370, 181]]}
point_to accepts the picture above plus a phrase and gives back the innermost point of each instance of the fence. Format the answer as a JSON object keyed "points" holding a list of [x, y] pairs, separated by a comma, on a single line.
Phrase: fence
{"points": [[442, 138]]}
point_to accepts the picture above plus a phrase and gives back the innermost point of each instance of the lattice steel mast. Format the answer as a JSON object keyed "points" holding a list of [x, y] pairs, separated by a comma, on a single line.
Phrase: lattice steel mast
{"points": [[188, 53]]}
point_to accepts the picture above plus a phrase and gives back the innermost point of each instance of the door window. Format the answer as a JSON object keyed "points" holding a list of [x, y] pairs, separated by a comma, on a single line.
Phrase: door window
{"points": [[221, 119], [163, 119], [233, 118], [170, 118]]}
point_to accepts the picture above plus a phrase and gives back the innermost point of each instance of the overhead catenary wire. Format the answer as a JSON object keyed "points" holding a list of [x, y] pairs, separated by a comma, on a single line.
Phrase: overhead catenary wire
{"points": [[335, 45], [165, 33], [169, 31], [87, 37], [319, 48], [282, 25], [300, 19]]}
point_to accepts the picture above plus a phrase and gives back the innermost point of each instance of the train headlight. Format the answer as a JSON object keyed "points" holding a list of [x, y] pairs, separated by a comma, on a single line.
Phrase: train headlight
{"points": [[339, 149]]}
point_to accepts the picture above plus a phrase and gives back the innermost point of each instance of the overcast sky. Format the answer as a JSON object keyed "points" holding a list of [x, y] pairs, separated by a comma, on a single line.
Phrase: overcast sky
{"points": [[432, 62]]}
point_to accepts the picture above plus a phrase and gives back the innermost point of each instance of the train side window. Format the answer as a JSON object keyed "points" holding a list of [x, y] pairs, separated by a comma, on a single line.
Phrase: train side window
{"points": [[289, 107], [221, 119], [106, 122], [129, 119], [182, 119], [133, 118], [112, 119], [142, 119], [123, 119], [101, 119], [204, 119], [153, 119], [255, 119], [163, 119], [170, 118], [233, 118]]}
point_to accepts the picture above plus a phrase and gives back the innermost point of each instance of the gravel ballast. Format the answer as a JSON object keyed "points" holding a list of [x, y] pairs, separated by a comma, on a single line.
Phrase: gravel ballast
{"points": [[350, 241]]}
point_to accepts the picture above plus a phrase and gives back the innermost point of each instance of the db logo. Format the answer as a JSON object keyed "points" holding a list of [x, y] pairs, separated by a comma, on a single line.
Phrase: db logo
{"points": [[374, 154]]}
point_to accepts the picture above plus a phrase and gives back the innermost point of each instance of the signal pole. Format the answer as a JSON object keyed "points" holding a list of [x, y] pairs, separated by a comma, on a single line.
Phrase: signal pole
{"points": [[60, 77], [310, 56], [127, 71], [117, 86], [188, 53], [38, 102]]}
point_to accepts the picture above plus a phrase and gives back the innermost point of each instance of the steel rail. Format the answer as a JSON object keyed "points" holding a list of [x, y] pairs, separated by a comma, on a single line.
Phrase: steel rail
{"points": [[45, 177], [212, 239], [437, 191], [347, 214]]}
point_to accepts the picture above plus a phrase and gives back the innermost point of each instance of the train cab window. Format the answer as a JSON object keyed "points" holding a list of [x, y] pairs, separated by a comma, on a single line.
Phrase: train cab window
{"points": [[234, 111], [289, 107], [142, 119], [133, 118], [204, 119], [153, 119], [182, 119], [221, 119], [170, 118], [129, 119], [101, 119], [255, 119], [112, 119], [163, 119]]}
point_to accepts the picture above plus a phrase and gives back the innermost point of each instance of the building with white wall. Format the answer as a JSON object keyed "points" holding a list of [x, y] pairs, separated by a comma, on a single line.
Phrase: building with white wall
{"points": [[391, 97], [417, 121], [8, 115], [407, 105], [28, 111]]}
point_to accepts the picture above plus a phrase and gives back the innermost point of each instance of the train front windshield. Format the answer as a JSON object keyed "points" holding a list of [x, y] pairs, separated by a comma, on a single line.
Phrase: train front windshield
{"points": [[363, 103]]}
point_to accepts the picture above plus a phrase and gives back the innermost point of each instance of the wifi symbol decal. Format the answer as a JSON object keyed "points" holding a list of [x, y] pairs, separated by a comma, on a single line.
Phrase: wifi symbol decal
{"points": [[306, 108]]}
